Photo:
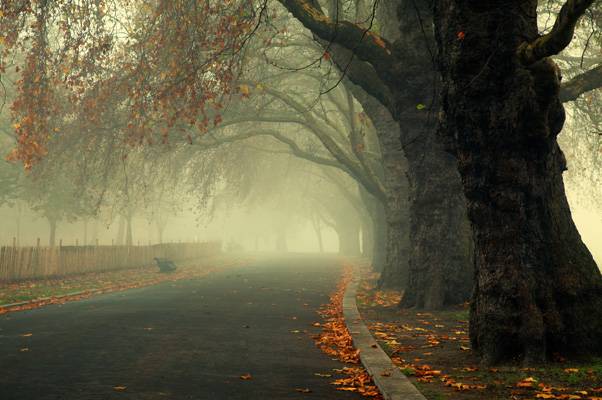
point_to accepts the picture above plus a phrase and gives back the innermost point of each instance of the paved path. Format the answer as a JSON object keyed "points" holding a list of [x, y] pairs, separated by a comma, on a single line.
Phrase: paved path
{"points": [[184, 340]]}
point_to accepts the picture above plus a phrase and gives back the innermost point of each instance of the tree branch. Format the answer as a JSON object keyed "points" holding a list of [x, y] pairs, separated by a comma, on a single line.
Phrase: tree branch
{"points": [[294, 147], [559, 37], [366, 45], [581, 84]]}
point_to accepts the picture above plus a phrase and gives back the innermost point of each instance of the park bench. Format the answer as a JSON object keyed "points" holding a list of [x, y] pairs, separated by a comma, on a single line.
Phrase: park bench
{"points": [[165, 265]]}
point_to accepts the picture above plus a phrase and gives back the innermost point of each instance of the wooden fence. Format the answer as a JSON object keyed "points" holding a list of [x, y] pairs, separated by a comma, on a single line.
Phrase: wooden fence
{"points": [[18, 263]]}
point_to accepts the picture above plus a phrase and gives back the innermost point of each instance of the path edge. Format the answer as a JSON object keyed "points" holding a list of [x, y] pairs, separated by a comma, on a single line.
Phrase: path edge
{"points": [[392, 384]]}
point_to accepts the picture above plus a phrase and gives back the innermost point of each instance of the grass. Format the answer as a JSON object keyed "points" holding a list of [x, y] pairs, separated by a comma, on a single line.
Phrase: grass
{"points": [[433, 350], [35, 290]]}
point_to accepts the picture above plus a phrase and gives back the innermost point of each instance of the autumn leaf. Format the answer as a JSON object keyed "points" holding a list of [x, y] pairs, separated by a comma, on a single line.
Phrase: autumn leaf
{"points": [[461, 35], [27, 334], [119, 388], [246, 377], [379, 41], [526, 383], [244, 89]]}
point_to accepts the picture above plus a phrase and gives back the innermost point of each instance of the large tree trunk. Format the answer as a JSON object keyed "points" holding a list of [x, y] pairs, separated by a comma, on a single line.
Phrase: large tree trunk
{"points": [[440, 263], [440, 270], [52, 223], [121, 231], [316, 224], [161, 224], [395, 212], [349, 237], [374, 230], [85, 231], [18, 222], [538, 290], [129, 237], [380, 238], [367, 233]]}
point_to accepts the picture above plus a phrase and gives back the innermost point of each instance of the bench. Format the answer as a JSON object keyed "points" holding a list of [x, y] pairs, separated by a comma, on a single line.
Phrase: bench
{"points": [[165, 265]]}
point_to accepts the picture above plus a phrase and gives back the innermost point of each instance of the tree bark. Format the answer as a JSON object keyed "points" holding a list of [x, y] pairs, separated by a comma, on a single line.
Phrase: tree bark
{"points": [[315, 222], [349, 237], [121, 231], [380, 232], [538, 290], [376, 225], [440, 267], [129, 237], [85, 231], [367, 234], [52, 222], [440, 262], [161, 224], [395, 209]]}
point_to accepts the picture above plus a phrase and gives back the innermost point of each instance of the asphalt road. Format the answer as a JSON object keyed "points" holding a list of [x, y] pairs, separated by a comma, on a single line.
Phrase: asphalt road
{"points": [[185, 340]]}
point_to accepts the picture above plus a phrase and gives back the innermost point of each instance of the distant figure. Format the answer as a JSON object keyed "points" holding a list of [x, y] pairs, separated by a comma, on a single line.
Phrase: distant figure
{"points": [[165, 265]]}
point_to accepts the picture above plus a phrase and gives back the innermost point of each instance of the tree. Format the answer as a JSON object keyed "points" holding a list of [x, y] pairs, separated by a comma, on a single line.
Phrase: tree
{"points": [[535, 292], [439, 268], [538, 289]]}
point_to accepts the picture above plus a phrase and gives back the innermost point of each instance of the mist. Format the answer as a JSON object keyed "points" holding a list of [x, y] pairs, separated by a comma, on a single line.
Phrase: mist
{"points": [[287, 198]]}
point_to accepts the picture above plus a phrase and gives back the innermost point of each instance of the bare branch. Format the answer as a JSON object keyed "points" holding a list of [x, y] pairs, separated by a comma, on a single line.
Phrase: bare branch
{"points": [[366, 45], [581, 84], [559, 37]]}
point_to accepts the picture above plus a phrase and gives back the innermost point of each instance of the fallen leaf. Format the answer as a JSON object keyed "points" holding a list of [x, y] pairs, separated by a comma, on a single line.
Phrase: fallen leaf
{"points": [[119, 388], [246, 377]]}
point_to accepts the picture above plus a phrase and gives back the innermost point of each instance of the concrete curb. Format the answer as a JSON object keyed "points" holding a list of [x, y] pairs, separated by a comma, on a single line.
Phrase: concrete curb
{"points": [[390, 381]]}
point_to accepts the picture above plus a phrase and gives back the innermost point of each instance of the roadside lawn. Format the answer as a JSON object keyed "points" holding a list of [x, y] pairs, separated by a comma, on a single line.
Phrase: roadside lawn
{"points": [[433, 350], [58, 290]]}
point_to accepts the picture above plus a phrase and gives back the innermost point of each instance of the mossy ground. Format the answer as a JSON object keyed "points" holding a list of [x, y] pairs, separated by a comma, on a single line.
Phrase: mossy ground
{"points": [[433, 350]]}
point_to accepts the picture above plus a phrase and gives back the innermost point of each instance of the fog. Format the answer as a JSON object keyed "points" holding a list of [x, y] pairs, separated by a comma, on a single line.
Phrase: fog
{"points": [[245, 199]]}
